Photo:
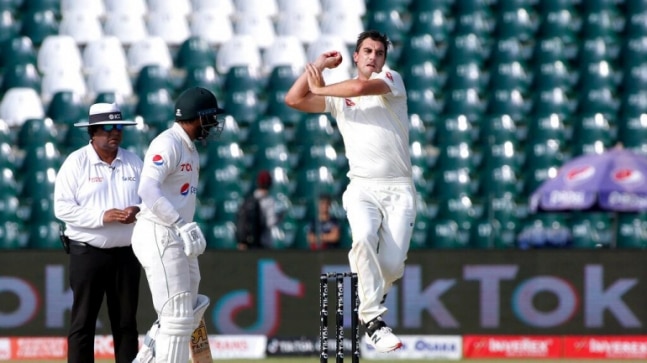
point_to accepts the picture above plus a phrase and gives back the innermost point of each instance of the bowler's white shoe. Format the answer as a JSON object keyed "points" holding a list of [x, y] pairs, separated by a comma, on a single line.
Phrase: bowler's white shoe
{"points": [[381, 337]]}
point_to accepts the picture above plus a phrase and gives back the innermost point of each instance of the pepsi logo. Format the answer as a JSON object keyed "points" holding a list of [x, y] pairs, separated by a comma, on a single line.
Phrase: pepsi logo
{"points": [[579, 173], [184, 190], [627, 176], [349, 103], [158, 160], [389, 76]]}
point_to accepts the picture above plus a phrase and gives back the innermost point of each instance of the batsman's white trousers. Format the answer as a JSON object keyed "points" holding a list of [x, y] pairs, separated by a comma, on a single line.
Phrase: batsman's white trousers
{"points": [[381, 215], [169, 271]]}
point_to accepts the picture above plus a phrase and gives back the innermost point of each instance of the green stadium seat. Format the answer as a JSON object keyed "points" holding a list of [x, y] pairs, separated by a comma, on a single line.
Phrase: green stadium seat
{"points": [[314, 129], [425, 103], [490, 234], [501, 181], [195, 52], [601, 21], [446, 234], [223, 183], [265, 132], [39, 24], [311, 183], [435, 22], [544, 230], [152, 78], [37, 131], [513, 102], [558, 19], [474, 17], [553, 101], [631, 231], [135, 139], [21, 75], [66, 108], [204, 76], [593, 134], [17, 50], [591, 230], [632, 131], [387, 21], [498, 129], [221, 236], [9, 25], [420, 235], [516, 20], [44, 235], [241, 79], [423, 76], [420, 49], [156, 108], [245, 106], [278, 83], [470, 102], [456, 128], [542, 160]]}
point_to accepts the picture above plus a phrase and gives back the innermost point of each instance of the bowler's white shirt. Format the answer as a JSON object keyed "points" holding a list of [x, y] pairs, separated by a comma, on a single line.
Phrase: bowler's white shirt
{"points": [[375, 130], [173, 160], [86, 187]]}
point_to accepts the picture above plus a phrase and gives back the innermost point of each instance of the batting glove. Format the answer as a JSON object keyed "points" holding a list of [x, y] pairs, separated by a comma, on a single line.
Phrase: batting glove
{"points": [[194, 241]]}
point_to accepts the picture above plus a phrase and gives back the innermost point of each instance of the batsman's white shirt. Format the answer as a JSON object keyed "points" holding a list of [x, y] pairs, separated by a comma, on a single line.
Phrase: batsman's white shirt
{"points": [[172, 160], [380, 200], [86, 187]]}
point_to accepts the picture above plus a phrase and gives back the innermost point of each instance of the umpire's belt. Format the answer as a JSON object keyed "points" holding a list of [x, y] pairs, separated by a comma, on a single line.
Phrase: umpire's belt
{"points": [[80, 244]]}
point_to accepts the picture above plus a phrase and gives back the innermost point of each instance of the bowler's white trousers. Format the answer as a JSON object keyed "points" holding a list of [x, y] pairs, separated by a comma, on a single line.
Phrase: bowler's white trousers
{"points": [[381, 215]]}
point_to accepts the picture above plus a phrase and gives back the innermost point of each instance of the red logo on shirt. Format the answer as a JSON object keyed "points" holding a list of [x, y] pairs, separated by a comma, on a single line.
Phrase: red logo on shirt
{"points": [[349, 103], [158, 160], [389, 76], [184, 190]]}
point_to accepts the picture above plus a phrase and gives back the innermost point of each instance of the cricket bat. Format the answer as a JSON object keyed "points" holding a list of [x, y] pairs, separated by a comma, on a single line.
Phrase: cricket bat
{"points": [[200, 349]]}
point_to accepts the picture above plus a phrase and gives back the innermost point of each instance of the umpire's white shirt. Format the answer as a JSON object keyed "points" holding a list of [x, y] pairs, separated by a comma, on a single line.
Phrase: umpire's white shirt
{"points": [[375, 130], [173, 160], [86, 187]]}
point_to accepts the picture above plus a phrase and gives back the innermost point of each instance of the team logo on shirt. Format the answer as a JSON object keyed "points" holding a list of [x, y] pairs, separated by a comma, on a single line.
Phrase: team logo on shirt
{"points": [[349, 103], [389, 76], [158, 160], [184, 190]]}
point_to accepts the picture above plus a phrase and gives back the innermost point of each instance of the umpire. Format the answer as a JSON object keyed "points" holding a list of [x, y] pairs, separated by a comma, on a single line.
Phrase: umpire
{"points": [[96, 196]]}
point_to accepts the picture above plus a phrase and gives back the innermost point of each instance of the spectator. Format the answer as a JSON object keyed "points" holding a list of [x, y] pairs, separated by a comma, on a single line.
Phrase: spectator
{"points": [[257, 217], [323, 230]]}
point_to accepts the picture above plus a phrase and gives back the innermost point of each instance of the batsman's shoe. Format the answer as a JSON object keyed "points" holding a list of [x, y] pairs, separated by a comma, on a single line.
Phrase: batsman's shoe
{"points": [[381, 337]]}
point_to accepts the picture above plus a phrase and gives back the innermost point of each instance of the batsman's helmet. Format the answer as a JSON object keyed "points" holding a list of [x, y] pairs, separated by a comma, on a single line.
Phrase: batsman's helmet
{"points": [[198, 102]]}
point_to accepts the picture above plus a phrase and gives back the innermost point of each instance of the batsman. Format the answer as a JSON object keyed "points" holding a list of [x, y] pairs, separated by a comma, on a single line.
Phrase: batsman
{"points": [[380, 200], [166, 240]]}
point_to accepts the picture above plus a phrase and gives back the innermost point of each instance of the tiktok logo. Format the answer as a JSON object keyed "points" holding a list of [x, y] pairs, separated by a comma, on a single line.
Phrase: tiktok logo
{"points": [[272, 283]]}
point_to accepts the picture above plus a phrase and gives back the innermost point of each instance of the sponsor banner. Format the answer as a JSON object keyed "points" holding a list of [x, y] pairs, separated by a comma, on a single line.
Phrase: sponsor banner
{"points": [[511, 346], [296, 346], [419, 347], [33, 348], [237, 346], [606, 347], [442, 292]]}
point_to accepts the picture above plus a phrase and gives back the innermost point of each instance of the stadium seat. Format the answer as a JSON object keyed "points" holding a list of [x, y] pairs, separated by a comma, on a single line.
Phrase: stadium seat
{"points": [[212, 25], [423, 76], [315, 129], [149, 50], [242, 78], [180, 7], [279, 81], [94, 8], [66, 108], [62, 79], [425, 103], [152, 78], [438, 23], [195, 52], [221, 236], [128, 26], [20, 104], [545, 230], [19, 50], [593, 134], [106, 51], [21, 76], [135, 7], [558, 19], [304, 26], [172, 26], [631, 231], [542, 160], [263, 7], [156, 108], [109, 80], [353, 7], [516, 20], [454, 182], [83, 26], [467, 101], [420, 49], [286, 50], [290, 7], [36, 131], [206, 77], [245, 106], [591, 230], [346, 26], [225, 7], [9, 25], [38, 25], [257, 25], [237, 51]]}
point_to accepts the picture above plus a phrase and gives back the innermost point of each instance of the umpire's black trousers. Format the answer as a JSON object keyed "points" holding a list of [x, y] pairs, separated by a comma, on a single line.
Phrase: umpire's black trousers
{"points": [[95, 272]]}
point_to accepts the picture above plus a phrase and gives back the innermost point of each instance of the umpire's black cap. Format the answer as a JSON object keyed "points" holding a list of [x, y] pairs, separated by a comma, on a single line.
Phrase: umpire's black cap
{"points": [[194, 102]]}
